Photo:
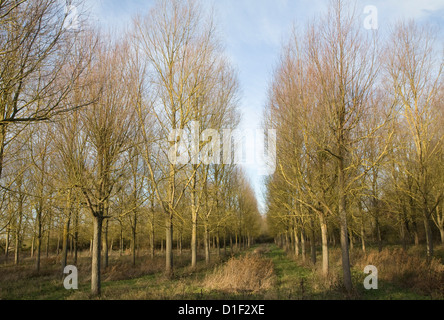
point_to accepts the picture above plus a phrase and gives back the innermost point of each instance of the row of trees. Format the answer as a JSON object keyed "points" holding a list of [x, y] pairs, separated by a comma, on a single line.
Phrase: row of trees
{"points": [[89, 126], [360, 136]]}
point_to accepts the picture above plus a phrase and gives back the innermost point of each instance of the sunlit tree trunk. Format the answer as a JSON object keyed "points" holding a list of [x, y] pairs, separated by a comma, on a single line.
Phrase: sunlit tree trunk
{"points": [[96, 256]]}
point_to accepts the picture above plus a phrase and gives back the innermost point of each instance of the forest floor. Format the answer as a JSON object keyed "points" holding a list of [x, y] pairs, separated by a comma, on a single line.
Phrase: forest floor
{"points": [[290, 279]]}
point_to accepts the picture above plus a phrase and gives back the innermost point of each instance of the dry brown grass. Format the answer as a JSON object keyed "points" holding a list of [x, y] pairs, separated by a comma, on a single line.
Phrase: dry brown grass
{"points": [[406, 270], [250, 273], [123, 270], [261, 250]]}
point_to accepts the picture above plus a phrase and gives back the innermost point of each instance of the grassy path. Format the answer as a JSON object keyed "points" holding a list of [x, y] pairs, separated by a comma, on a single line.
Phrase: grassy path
{"points": [[292, 280]]}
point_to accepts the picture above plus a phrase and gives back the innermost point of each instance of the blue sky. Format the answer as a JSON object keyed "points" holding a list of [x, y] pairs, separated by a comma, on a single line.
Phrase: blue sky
{"points": [[253, 32]]}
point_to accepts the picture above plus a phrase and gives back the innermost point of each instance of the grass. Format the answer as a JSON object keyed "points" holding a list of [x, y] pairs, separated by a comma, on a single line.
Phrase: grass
{"points": [[263, 273], [250, 273], [402, 276], [121, 281]]}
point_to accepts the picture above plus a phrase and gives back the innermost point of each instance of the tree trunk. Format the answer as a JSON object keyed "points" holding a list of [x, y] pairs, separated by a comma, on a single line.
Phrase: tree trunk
{"points": [[225, 243], [303, 244], [296, 240], [71, 246], [58, 243], [152, 243], [403, 230], [96, 257], [324, 239], [2, 146], [8, 232], [361, 213], [440, 222], [17, 248], [378, 234], [169, 246], [236, 242], [48, 239], [76, 236], [193, 235], [429, 236], [65, 240], [66, 231], [134, 230], [313, 242], [18, 228], [218, 244], [32, 246], [39, 234], [207, 243], [351, 241], [343, 222], [105, 245], [180, 243], [286, 245], [416, 233], [121, 239]]}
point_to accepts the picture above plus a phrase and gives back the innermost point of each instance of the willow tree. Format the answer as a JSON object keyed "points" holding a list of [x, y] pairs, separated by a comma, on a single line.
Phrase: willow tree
{"points": [[35, 48], [175, 50], [415, 69], [324, 93], [95, 138]]}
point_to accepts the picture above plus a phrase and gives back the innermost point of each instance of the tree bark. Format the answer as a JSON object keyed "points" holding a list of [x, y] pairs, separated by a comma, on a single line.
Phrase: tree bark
{"points": [[218, 244], [48, 239], [8, 232], [134, 230], [65, 240], [66, 231], [313, 242], [361, 213], [76, 236], [324, 239], [207, 244], [303, 244], [121, 239], [152, 243], [96, 256], [296, 240], [343, 224], [106, 245], [32, 246], [18, 228], [169, 246], [429, 236], [193, 227]]}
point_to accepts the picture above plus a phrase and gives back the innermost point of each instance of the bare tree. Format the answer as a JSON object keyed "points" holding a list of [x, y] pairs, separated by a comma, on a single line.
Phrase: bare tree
{"points": [[415, 70], [328, 107], [101, 134], [176, 42], [35, 49]]}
